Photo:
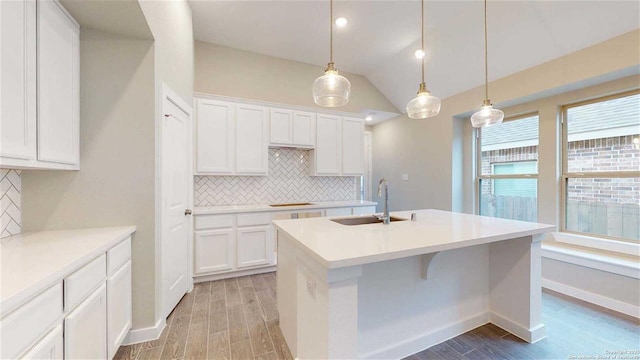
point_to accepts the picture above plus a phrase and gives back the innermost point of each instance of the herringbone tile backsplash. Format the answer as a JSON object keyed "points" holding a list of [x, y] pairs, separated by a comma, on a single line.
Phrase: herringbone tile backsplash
{"points": [[10, 216], [288, 181]]}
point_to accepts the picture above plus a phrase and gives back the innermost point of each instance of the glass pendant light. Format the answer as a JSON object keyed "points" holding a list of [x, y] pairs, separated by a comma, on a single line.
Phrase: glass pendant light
{"points": [[331, 89], [424, 105], [487, 115]]}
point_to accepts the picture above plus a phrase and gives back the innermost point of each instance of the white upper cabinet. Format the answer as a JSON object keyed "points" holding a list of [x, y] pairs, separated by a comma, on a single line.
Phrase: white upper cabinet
{"points": [[280, 127], [304, 129], [252, 144], [58, 83], [352, 147], [17, 81], [231, 138], [291, 128], [39, 95], [327, 156], [215, 124]]}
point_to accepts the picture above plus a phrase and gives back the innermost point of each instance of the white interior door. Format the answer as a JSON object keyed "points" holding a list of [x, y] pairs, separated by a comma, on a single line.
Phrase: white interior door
{"points": [[175, 178]]}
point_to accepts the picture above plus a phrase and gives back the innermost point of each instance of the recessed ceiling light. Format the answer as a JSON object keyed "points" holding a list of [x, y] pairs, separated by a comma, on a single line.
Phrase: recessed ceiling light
{"points": [[341, 22], [419, 53], [369, 118]]}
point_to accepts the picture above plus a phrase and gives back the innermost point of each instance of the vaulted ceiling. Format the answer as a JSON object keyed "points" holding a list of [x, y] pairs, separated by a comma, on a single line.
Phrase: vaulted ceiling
{"points": [[381, 36]]}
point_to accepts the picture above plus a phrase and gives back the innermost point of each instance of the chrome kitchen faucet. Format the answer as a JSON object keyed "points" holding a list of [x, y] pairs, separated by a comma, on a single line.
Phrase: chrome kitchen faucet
{"points": [[386, 219]]}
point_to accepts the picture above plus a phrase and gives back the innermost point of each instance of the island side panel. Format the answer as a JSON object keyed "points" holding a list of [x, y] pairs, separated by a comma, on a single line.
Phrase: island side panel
{"points": [[401, 313], [286, 290], [515, 287], [318, 307]]}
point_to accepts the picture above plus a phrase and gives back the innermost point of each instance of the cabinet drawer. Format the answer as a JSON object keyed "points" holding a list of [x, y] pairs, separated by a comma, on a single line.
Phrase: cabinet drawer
{"points": [[118, 255], [254, 219], [213, 221], [21, 328], [79, 284]]}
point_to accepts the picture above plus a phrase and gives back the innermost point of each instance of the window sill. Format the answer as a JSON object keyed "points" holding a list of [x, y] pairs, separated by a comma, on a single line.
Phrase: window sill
{"points": [[597, 243], [618, 264]]}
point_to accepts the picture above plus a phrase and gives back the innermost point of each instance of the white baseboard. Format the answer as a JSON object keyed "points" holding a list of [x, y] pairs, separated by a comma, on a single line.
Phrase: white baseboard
{"points": [[528, 335], [232, 274], [606, 302], [136, 336], [427, 339]]}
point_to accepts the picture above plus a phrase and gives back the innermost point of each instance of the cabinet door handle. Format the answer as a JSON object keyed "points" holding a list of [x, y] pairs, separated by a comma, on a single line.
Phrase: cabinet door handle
{"points": [[187, 212]]}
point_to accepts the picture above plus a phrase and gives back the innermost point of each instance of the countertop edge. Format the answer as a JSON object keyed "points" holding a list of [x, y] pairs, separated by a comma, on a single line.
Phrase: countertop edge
{"points": [[12, 303], [369, 259], [204, 210]]}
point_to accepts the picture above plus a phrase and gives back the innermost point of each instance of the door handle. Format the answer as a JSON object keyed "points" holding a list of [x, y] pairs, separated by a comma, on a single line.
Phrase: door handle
{"points": [[187, 212]]}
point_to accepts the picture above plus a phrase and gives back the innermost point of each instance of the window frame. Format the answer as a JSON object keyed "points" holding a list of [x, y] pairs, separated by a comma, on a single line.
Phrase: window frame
{"points": [[480, 176], [566, 175]]}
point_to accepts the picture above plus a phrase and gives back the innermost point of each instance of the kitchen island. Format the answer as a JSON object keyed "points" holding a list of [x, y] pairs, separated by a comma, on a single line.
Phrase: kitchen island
{"points": [[388, 291]]}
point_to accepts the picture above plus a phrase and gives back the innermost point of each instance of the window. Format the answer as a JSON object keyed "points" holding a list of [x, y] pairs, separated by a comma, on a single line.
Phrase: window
{"points": [[508, 169], [601, 167]]}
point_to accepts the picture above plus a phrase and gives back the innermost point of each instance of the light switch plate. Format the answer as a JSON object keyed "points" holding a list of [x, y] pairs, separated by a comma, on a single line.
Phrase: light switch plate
{"points": [[405, 177]]}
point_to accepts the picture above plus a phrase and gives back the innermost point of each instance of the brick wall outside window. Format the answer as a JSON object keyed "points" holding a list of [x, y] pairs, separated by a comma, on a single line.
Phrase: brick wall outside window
{"points": [[605, 154]]}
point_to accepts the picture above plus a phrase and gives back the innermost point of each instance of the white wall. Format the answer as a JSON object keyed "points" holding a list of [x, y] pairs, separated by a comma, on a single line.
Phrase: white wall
{"points": [[115, 184]]}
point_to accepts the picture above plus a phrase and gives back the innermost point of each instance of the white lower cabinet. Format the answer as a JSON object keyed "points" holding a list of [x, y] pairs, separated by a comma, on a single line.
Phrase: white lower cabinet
{"points": [[254, 246], [230, 242], [118, 308], [49, 348], [85, 328], [214, 250], [92, 324], [227, 245]]}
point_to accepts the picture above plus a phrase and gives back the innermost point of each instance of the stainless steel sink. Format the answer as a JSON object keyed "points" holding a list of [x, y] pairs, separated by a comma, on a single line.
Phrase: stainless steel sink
{"points": [[291, 204], [363, 220]]}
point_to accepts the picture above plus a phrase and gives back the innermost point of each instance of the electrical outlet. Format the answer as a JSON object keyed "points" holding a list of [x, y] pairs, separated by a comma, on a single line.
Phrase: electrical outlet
{"points": [[311, 287], [405, 177]]}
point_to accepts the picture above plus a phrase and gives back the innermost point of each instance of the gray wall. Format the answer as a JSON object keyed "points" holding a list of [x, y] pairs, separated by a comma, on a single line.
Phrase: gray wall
{"points": [[225, 71], [115, 184], [437, 153], [120, 82], [428, 150]]}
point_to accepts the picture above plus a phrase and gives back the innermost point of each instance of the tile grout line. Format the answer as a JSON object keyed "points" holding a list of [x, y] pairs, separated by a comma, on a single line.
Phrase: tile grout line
{"points": [[246, 324], [262, 318], [226, 312], [206, 353], [189, 327]]}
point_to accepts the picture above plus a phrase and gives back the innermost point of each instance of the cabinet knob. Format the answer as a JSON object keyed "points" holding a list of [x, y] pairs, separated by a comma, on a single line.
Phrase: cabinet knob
{"points": [[187, 211]]}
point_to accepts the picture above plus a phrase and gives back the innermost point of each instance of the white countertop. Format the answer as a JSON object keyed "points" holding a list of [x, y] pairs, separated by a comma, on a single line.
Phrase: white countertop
{"points": [[335, 245], [31, 262], [202, 210]]}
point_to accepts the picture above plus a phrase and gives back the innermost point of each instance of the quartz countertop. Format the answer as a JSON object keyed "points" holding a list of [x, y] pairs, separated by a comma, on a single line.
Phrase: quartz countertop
{"points": [[202, 210], [335, 245], [31, 262]]}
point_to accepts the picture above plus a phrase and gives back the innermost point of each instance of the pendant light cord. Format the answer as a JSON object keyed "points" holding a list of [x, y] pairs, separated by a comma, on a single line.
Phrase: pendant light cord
{"points": [[331, 30], [422, 35], [486, 57]]}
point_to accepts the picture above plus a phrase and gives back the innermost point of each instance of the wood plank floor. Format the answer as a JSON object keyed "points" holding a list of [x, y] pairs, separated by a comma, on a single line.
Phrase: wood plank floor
{"points": [[237, 319]]}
